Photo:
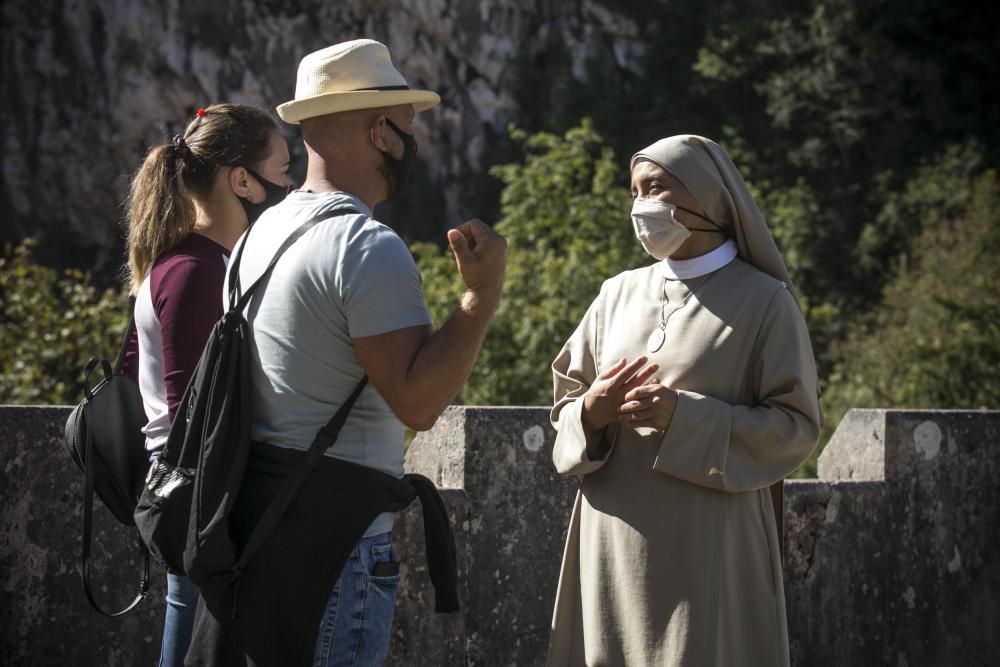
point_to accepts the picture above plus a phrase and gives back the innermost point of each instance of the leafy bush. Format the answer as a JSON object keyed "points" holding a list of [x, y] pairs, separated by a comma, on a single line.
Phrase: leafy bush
{"points": [[51, 323], [935, 340], [565, 214]]}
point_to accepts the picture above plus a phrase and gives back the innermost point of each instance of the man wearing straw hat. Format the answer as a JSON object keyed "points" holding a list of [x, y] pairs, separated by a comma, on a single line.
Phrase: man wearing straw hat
{"points": [[345, 302]]}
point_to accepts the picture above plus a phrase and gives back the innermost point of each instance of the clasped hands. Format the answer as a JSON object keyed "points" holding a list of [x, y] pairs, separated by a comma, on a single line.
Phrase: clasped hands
{"points": [[628, 393]]}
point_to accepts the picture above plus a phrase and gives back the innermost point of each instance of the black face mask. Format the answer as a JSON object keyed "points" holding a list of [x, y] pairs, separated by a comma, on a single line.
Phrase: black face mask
{"points": [[273, 194], [401, 169]]}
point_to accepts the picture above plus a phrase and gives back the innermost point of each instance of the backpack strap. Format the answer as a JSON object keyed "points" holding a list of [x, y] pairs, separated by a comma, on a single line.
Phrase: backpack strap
{"points": [[238, 300], [234, 268], [88, 515], [276, 508], [128, 336]]}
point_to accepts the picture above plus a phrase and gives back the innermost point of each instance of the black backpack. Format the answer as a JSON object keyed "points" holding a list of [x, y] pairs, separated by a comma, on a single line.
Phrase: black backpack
{"points": [[104, 436], [183, 511]]}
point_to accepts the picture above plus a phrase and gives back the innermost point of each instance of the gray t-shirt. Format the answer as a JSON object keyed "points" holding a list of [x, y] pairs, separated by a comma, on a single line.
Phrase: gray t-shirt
{"points": [[347, 277]]}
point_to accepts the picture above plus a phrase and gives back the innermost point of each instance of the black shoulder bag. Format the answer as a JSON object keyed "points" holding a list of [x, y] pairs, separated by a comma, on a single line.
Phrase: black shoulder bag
{"points": [[104, 436]]}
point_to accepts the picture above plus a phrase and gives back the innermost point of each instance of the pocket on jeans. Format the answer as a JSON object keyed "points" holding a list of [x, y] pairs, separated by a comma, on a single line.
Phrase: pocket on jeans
{"points": [[384, 565]]}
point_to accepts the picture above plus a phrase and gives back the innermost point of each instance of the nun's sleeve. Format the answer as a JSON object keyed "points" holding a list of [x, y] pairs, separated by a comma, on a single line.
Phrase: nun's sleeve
{"points": [[578, 450], [738, 447]]}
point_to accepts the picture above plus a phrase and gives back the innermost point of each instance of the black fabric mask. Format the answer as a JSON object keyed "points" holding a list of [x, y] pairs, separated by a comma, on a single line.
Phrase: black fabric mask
{"points": [[273, 194], [401, 169]]}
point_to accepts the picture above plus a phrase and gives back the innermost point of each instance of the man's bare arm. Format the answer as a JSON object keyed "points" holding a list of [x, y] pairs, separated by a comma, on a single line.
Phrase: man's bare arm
{"points": [[419, 373]]}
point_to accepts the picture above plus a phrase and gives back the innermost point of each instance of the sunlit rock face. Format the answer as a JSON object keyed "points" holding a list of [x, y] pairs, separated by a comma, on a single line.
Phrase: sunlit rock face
{"points": [[89, 85]]}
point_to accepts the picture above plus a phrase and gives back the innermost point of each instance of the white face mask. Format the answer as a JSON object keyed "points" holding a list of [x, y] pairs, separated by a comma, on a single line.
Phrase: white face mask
{"points": [[657, 229]]}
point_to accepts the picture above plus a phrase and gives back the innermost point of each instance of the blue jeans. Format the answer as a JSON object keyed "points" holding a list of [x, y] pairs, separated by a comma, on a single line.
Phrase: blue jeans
{"points": [[182, 600], [355, 628]]}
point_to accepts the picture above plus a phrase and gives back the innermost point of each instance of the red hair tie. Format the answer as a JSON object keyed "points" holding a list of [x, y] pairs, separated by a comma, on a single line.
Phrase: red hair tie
{"points": [[200, 113]]}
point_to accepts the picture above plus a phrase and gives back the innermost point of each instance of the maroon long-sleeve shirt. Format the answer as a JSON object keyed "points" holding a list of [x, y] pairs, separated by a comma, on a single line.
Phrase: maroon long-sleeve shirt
{"points": [[176, 307]]}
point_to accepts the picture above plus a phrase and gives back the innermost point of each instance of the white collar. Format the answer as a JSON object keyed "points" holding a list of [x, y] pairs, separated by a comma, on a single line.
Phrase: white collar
{"points": [[682, 269]]}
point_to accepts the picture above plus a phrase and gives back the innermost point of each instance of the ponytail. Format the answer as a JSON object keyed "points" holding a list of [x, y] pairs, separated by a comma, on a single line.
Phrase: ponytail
{"points": [[160, 214]]}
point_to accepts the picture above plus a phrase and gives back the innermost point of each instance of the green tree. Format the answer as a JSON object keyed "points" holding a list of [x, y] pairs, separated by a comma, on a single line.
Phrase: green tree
{"points": [[51, 322], [565, 216], [935, 340], [830, 108]]}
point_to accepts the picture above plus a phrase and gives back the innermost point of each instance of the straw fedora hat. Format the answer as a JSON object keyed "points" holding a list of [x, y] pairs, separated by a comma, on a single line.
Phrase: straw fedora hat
{"points": [[349, 76]]}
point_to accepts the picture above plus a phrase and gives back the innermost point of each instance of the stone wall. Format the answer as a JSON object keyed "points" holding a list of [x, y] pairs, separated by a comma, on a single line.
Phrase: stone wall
{"points": [[889, 556], [45, 618], [519, 511]]}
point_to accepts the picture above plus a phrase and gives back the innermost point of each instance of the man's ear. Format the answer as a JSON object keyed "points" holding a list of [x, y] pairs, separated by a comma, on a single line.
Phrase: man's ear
{"points": [[378, 134]]}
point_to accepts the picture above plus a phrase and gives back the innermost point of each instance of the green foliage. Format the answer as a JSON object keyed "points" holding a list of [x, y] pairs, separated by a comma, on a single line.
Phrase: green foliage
{"points": [[865, 131], [565, 216], [51, 322], [940, 190], [935, 340]]}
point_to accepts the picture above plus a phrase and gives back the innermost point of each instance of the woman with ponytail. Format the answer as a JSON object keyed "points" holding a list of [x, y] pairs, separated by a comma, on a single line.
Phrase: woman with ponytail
{"points": [[189, 203]]}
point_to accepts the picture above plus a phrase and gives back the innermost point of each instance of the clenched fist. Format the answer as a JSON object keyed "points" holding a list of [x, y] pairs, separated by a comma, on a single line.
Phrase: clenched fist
{"points": [[481, 256]]}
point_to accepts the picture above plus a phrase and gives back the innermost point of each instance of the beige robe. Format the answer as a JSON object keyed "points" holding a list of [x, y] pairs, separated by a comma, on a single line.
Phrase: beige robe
{"points": [[672, 556]]}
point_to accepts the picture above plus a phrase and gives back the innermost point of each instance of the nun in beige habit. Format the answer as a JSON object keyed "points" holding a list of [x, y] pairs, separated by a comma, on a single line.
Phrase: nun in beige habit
{"points": [[686, 391]]}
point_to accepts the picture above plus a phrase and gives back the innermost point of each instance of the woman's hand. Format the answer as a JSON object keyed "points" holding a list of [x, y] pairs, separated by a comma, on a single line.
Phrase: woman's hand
{"points": [[602, 400], [651, 405]]}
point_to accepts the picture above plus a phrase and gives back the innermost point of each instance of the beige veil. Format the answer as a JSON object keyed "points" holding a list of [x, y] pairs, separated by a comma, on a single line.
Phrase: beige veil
{"points": [[705, 169]]}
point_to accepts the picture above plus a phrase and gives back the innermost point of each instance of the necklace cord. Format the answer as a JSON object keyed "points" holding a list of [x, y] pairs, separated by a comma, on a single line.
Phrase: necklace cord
{"points": [[665, 299]]}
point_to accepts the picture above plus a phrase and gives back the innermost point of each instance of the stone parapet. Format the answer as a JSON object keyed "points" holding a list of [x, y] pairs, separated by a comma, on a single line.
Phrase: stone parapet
{"points": [[519, 512], [45, 618], [889, 556]]}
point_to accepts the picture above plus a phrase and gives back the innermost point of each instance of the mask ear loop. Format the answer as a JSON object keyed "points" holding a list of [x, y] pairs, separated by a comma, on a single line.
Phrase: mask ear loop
{"points": [[720, 230], [409, 141], [399, 133], [261, 181]]}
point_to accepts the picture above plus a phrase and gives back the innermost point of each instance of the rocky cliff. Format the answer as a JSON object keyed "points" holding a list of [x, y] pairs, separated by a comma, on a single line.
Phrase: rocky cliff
{"points": [[89, 85]]}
